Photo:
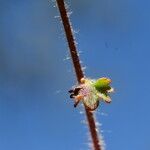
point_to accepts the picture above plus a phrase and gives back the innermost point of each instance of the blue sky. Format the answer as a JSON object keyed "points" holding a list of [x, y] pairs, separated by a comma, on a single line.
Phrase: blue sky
{"points": [[35, 110]]}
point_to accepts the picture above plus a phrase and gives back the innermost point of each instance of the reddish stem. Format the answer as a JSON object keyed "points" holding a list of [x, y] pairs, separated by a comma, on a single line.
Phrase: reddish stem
{"points": [[78, 70]]}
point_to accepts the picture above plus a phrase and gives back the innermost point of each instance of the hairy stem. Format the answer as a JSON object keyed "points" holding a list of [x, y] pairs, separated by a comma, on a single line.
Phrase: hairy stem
{"points": [[78, 70]]}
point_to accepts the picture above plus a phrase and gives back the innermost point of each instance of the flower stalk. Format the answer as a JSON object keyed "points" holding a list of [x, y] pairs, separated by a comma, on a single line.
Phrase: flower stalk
{"points": [[97, 144]]}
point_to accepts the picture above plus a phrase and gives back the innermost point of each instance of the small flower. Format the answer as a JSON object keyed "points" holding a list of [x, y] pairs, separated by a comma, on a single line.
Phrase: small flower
{"points": [[90, 92]]}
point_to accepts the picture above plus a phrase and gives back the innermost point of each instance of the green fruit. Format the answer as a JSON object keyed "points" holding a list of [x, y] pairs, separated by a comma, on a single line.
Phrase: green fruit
{"points": [[102, 84]]}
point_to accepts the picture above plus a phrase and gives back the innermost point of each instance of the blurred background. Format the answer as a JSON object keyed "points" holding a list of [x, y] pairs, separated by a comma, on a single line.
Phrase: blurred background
{"points": [[36, 73]]}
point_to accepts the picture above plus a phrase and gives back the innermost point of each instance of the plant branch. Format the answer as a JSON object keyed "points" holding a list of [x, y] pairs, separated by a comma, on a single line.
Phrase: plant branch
{"points": [[78, 70]]}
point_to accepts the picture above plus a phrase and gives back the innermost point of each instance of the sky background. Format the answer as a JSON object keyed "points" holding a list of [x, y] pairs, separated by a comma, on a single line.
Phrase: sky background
{"points": [[35, 73]]}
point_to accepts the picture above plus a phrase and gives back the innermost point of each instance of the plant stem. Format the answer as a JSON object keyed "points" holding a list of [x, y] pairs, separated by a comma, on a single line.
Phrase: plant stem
{"points": [[78, 71]]}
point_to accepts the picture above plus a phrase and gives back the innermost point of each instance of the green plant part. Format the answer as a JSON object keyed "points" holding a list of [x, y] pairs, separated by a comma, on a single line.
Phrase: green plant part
{"points": [[91, 92]]}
